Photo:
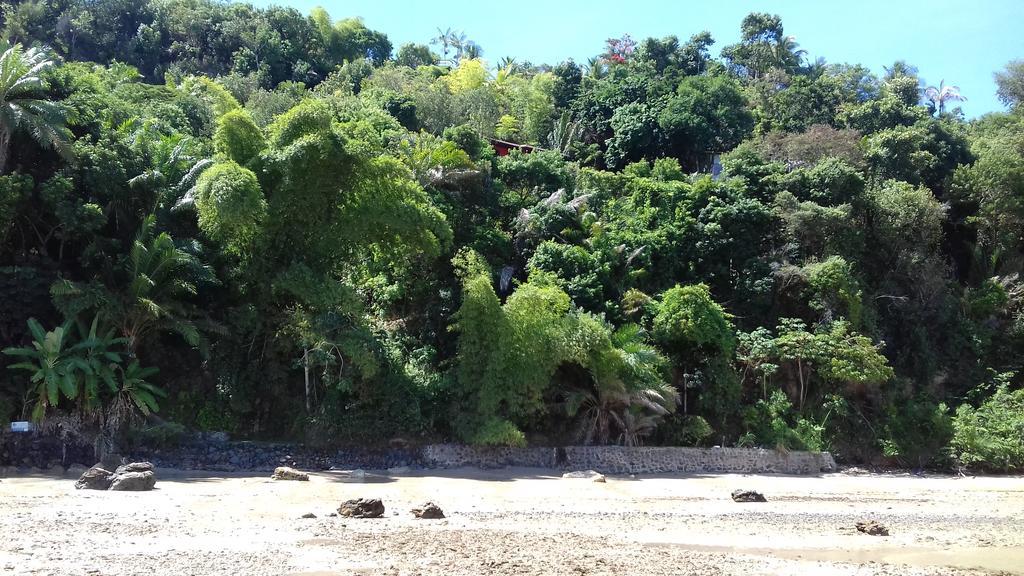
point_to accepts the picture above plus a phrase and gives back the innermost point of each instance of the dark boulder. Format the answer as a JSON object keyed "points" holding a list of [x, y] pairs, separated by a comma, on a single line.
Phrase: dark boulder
{"points": [[134, 467], [872, 528], [747, 496], [133, 477], [362, 508], [428, 511], [95, 478]]}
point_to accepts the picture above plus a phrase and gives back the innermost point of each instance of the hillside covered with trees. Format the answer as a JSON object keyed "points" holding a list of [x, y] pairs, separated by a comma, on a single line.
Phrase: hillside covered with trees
{"points": [[217, 217]]}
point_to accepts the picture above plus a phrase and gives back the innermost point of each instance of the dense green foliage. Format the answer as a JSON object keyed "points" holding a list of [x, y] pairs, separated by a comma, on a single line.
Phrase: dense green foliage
{"points": [[310, 239], [992, 435]]}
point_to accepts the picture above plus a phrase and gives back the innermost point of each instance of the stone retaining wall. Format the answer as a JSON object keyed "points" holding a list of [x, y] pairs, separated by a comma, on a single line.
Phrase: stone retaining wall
{"points": [[641, 460], [264, 457], [40, 451], [216, 454]]}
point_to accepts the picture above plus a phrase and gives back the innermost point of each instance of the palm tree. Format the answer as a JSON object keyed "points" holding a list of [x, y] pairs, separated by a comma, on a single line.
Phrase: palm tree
{"points": [[458, 41], [135, 396], [816, 69], [596, 68], [160, 277], [564, 134], [444, 39], [174, 168], [23, 106], [472, 50], [938, 96], [787, 54], [899, 68], [150, 293], [627, 394]]}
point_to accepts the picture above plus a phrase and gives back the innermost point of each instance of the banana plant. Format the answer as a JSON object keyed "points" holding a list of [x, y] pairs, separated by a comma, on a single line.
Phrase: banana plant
{"points": [[51, 364], [70, 363], [97, 355]]}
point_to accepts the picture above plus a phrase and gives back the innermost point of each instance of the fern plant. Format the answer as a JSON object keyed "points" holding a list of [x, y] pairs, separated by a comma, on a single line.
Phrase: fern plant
{"points": [[134, 395], [153, 284]]}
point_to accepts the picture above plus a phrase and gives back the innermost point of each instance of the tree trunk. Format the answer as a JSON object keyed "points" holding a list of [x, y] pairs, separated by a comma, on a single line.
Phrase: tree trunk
{"points": [[305, 370], [679, 383], [5, 147], [800, 376]]}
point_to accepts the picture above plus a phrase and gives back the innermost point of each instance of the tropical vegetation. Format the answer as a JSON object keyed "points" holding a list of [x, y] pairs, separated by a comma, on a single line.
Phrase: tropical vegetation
{"points": [[281, 226]]}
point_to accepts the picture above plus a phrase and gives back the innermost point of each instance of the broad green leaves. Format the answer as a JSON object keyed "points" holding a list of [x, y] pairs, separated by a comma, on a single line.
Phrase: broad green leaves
{"points": [[64, 364]]}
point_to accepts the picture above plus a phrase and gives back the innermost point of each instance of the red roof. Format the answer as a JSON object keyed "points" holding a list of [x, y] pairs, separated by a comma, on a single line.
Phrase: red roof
{"points": [[502, 148]]}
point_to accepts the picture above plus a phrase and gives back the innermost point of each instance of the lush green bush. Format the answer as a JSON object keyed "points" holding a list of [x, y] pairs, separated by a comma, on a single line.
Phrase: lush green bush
{"points": [[918, 432], [689, 318], [545, 170], [467, 139], [496, 432], [237, 137], [991, 436], [689, 430], [231, 205], [773, 423]]}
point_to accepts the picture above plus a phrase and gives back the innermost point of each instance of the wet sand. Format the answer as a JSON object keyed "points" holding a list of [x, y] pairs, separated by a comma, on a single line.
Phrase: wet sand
{"points": [[515, 521]]}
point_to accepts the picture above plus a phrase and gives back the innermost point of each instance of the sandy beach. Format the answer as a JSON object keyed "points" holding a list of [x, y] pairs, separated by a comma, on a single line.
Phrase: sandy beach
{"points": [[514, 521]]}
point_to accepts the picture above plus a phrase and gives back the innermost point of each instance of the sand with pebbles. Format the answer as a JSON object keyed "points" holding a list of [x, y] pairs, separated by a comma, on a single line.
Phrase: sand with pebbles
{"points": [[517, 522]]}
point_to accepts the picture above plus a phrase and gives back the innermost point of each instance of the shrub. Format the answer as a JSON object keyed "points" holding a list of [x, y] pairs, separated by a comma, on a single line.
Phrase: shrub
{"points": [[162, 435], [689, 318], [578, 271], [545, 170], [991, 436], [667, 170], [466, 138], [918, 432], [688, 430], [769, 424], [238, 137], [231, 204], [639, 169], [497, 432], [834, 289]]}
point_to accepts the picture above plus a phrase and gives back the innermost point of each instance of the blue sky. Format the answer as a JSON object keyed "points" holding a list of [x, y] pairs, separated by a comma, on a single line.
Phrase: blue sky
{"points": [[960, 42]]}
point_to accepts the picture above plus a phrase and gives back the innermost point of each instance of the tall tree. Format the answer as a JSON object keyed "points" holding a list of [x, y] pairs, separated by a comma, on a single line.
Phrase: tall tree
{"points": [[23, 104], [899, 68], [763, 46], [1010, 83], [939, 95]]}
